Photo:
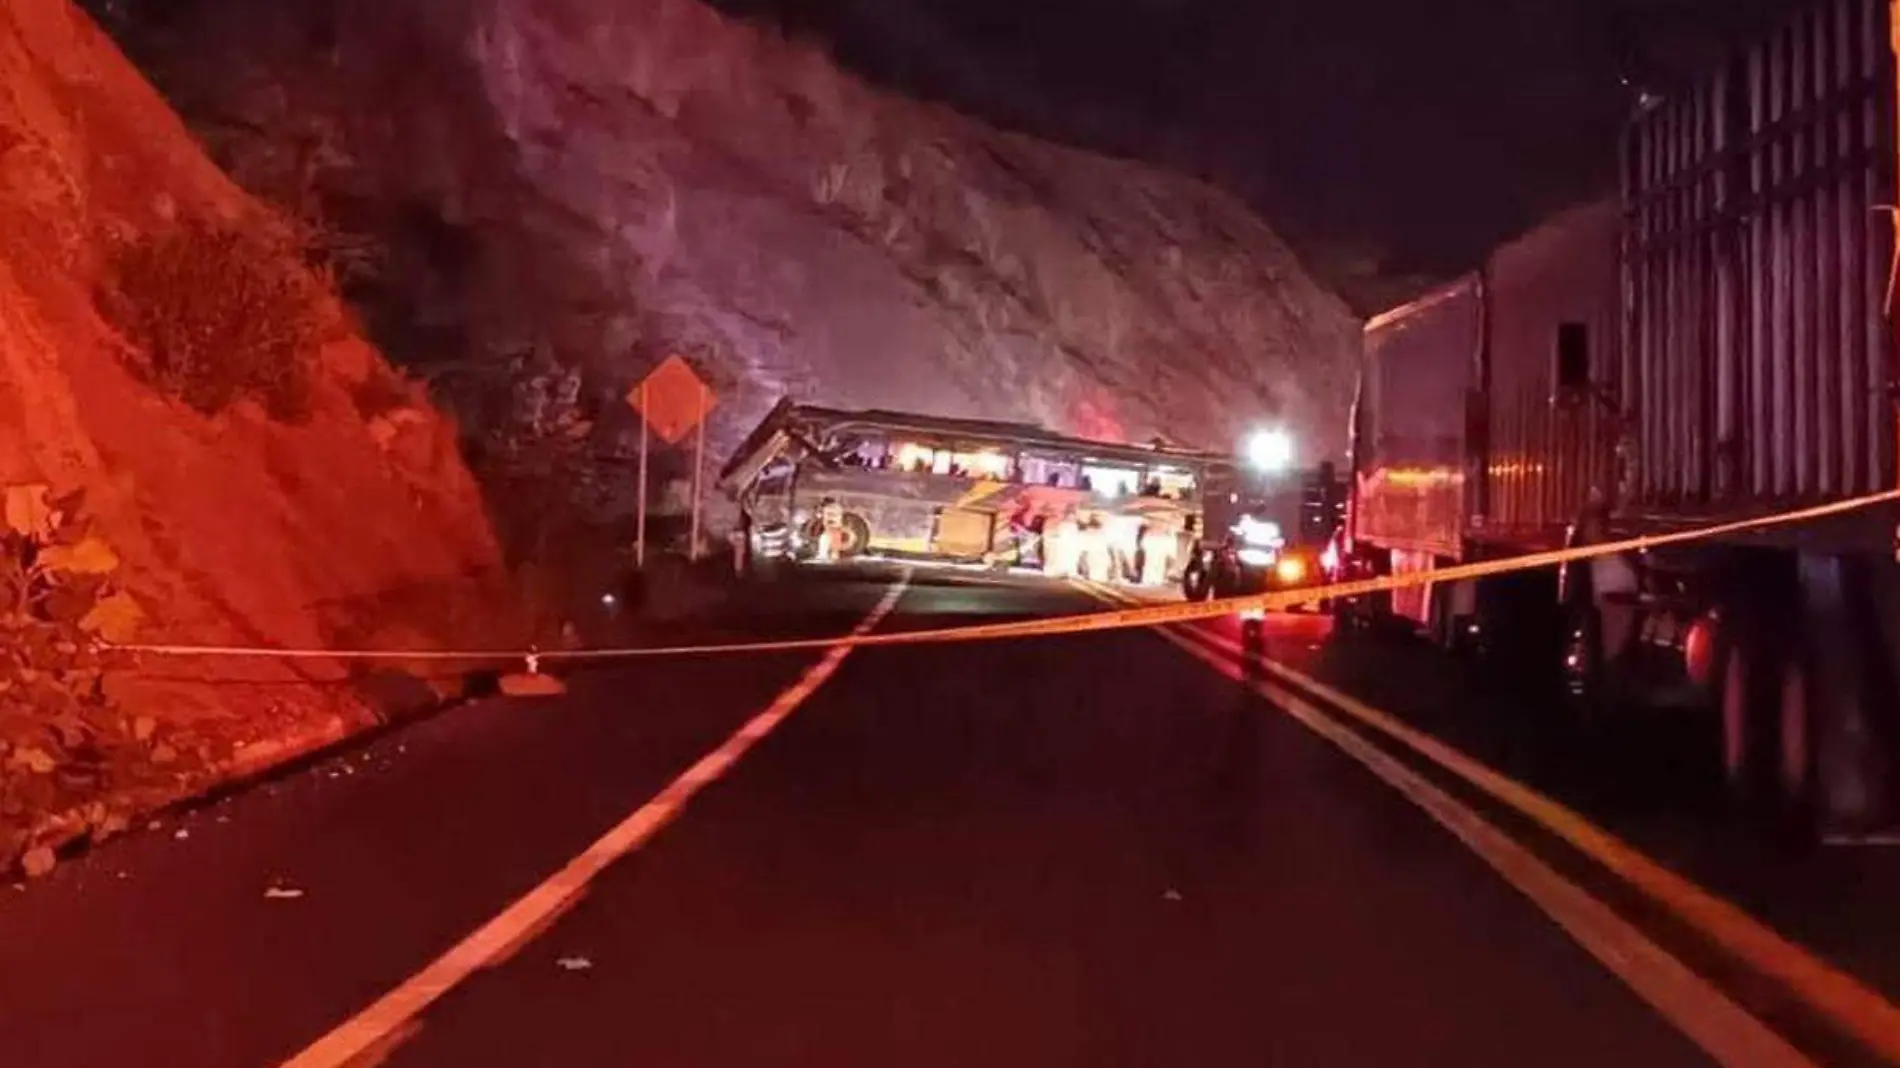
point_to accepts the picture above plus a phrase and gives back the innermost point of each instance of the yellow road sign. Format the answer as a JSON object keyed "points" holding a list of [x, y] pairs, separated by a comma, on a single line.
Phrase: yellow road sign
{"points": [[673, 400]]}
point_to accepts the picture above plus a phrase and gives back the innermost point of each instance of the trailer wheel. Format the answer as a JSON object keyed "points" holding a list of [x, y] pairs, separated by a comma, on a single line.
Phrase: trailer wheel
{"points": [[1749, 704], [1345, 614], [1795, 748], [1367, 616], [1442, 628]]}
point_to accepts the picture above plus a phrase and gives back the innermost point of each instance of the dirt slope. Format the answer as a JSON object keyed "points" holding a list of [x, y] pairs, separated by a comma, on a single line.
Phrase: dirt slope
{"points": [[351, 520]]}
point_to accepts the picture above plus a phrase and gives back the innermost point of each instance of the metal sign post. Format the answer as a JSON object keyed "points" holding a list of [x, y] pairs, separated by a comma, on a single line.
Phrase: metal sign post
{"points": [[640, 511], [699, 473]]}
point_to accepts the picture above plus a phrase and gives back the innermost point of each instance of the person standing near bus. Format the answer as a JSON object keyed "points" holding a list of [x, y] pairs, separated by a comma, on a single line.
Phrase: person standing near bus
{"points": [[1020, 535], [831, 533], [1061, 543], [1092, 550], [1159, 542]]}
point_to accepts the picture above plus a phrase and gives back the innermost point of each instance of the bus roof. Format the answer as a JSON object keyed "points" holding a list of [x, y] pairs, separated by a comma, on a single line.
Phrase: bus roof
{"points": [[788, 419]]}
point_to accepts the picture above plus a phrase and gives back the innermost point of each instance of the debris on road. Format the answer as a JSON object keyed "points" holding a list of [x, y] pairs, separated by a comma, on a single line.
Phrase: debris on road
{"points": [[531, 685], [182, 833], [282, 893], [1171, 894], [39, 862], [574, 964]]}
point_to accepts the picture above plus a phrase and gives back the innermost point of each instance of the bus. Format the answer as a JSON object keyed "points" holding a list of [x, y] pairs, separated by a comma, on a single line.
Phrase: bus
{"points": [[821, 485]]}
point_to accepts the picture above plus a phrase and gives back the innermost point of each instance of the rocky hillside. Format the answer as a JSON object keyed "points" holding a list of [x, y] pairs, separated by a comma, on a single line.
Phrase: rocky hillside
{"points": [[195, 446], [583, 186]]}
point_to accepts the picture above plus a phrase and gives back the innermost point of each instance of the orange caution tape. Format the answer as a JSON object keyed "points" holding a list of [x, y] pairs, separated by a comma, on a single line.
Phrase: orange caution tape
{"points": [[1150, 616]]}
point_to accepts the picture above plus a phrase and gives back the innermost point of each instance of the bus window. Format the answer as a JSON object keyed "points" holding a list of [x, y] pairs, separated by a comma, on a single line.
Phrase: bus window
{"points": [[984, 464], [857, 451], [775, 484], [876, 454], [1170, 483], [1113, 481], [957, 463], [911, 456], [1042, 471]]}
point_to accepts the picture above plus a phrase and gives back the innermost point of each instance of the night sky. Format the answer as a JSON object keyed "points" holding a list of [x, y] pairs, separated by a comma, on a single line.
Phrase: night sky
{"points": [[1406, 136]]}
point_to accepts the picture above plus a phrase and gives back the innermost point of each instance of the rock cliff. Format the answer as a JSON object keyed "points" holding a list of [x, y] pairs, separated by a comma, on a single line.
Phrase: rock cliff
{"points": [[591, 185]]}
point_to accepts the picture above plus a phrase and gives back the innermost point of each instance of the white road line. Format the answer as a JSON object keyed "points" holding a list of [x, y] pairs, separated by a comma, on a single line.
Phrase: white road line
{"points": [[1854, 1009], [1708, 1017], [395, 1012]]}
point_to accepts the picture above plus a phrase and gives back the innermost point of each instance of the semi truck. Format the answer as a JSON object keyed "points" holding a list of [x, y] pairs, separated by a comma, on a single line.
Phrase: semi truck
{"points": [[1710, 342]]}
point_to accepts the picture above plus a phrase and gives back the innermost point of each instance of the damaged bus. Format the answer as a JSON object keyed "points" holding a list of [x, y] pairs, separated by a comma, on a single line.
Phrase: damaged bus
{"points": [[818, 485]]}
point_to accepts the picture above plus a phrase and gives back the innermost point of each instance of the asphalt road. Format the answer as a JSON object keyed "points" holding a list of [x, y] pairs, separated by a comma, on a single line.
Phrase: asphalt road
{"points": [[1086, 850], [1652, 779]]}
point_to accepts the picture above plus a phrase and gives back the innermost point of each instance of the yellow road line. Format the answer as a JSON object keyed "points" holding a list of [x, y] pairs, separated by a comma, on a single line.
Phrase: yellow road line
{"points": [[1848, 1004], [1723, 1029]]}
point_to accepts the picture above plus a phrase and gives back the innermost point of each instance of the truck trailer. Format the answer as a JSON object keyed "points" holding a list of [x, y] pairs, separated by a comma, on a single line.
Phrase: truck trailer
{"points": [[1711, 343]]}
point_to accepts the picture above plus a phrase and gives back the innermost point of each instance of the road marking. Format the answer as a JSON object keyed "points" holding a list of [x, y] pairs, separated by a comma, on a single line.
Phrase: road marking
{"points": [[1723, 1029], [371, 1030], [1848, 1004]]}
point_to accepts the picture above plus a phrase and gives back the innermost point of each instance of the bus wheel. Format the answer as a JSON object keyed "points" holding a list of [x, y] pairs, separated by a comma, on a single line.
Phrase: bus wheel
{"points": [[857, 536], [1795, 749]]}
